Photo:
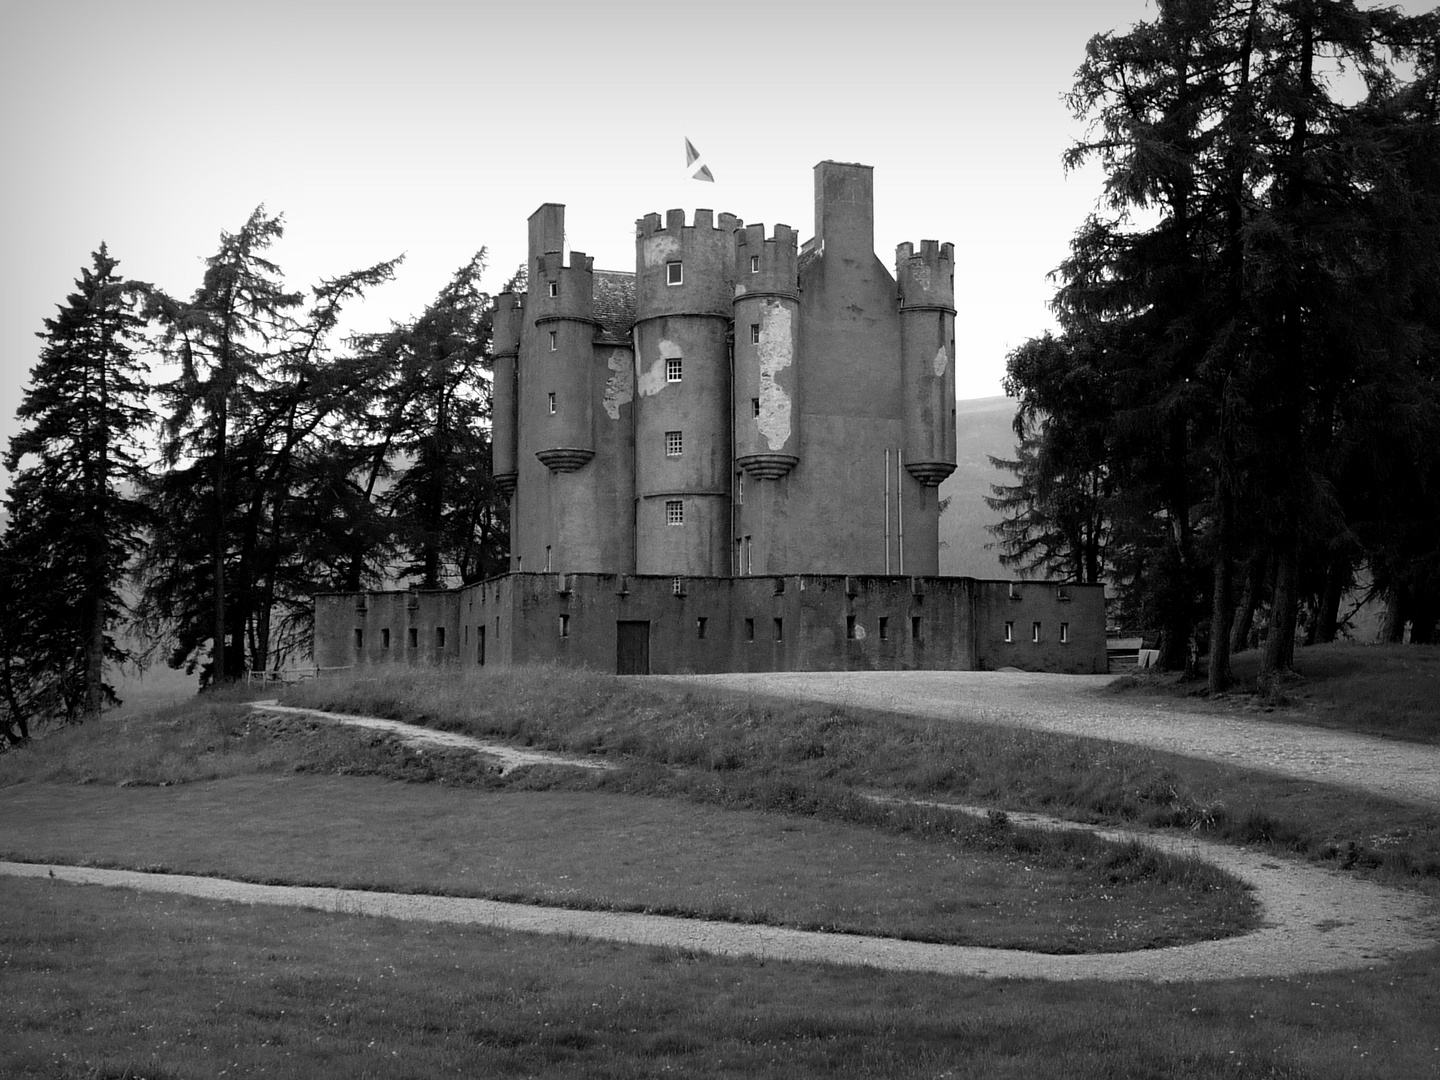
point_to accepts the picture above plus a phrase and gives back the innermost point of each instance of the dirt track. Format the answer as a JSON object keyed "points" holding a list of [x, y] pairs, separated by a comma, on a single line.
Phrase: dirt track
{"points": [[1079, 705]]}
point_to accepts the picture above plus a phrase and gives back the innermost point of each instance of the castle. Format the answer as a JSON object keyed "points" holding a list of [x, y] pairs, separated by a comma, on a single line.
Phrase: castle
{"points": [[744, 431]]}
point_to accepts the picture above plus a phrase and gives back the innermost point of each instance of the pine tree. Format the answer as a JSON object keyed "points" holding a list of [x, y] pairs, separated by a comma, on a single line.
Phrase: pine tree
{"points": [[74, 521]]}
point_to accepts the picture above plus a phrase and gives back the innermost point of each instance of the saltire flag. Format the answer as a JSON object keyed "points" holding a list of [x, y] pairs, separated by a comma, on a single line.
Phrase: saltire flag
{"points": [[691, 157]]}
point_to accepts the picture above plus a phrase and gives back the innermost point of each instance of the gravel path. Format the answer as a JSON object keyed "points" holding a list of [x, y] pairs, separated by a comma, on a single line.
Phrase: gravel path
{"points": [[506, 756], [1078, 705], [1314, 919]]}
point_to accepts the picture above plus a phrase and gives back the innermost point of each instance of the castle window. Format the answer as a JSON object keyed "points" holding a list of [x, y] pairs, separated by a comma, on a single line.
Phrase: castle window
{"points": [[850, 627], [547, 558], [914, 627], [749, 559], [755, 406], [754, 264], [564, 625], [554, 288], [884, 627], [779, 629], [1064, 633], [359, 638], [439, 637], [1009, 632], [674, 512], [385, 637], [414, 638], [1035, 632], [554, 345], [700, 628], [674, 370], [674, 444], [739, 489], [552, 404], [754, 333], [749, 629], [674, 273]]}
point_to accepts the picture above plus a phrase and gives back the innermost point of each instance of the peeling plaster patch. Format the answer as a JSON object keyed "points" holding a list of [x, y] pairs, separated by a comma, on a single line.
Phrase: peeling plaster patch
{"points": [[775, 355], [942, 361], [920, 274], [620, 386], [859, 632], [651, 382], [661, 249]]}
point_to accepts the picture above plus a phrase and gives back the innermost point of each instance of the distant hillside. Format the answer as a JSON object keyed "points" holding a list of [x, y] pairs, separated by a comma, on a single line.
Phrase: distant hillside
{"points": [[982, 428]]}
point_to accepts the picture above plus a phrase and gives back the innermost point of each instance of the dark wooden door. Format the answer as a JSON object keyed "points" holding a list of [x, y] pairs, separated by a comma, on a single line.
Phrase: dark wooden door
{"points": [[632, 648]]}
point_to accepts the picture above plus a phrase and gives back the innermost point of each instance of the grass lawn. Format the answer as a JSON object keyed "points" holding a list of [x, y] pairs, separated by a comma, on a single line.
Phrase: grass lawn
{"points": [[98, 982], [107, 983]]}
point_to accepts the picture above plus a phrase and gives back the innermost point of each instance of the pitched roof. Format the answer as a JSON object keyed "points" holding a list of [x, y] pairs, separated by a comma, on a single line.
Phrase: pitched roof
{"points": [[614, 305]]}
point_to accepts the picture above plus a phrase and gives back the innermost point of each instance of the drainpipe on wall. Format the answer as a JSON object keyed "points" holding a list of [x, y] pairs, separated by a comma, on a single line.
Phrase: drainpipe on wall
{"points": [[887, 511], [900, 505]]}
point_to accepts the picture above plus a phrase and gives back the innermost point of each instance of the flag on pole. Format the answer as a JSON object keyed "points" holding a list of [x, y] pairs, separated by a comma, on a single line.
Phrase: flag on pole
{"points": [[691, 157]]}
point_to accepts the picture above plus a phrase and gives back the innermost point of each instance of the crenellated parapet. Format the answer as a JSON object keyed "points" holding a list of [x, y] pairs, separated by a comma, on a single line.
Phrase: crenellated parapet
{"points": [[766, 266], [684, 269], [926, 278]]}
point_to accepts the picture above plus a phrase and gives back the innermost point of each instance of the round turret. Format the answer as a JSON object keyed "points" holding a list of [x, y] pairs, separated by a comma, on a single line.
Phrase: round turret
{"points": [[767, 326], [557, 383], [926, 285], [505, 348]]}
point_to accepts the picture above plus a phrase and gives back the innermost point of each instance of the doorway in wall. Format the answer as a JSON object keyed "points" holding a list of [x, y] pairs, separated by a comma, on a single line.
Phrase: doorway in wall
{"points": [[632, 648], [480, 646]]}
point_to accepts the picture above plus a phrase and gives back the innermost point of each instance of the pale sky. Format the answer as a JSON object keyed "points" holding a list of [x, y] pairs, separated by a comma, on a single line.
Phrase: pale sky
{"points": [[433, 128]]}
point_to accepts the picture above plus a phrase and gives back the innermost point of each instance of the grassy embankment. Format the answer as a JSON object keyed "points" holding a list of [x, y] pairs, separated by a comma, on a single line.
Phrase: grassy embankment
{"points": [[233, 990]]}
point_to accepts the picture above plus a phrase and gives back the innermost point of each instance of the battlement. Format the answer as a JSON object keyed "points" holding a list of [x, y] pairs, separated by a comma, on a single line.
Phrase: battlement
{"points": [[927, 276], [508, 318], [674, 223], [765, 264], [549, 265]]}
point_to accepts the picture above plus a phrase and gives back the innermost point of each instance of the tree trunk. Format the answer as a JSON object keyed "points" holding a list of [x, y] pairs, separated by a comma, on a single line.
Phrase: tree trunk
{"points": [[1222, 608], [1392, 628], [1424, 615], [1280, 641], [1327, 619], [1245, 613]]}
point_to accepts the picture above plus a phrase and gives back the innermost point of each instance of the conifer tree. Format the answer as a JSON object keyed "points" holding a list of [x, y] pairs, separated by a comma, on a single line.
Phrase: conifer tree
{"points": [[74, 522]]}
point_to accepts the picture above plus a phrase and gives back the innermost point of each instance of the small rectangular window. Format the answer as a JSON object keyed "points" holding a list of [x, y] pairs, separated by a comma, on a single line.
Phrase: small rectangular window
{"points": [[552, 404], [884, 627], [749, 557], [914, 627], [1009, 631], [754, 406], [564, 625], [385, 637], [754, 264], [1035, 631], [779, 629], [700, 628], [674, 371], [554, 344], [674, 273], [554, 288], [850, 627], [674, 443], [674, 512], [1064, 633], [739, 488], [677, 586], [749, 629], [439, 637], [755, 333], [414, 637], [547, 558], [359, 638]]}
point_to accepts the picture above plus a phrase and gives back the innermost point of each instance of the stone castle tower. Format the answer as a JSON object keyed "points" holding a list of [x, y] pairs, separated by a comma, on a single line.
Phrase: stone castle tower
{"points": [[738, 405]]}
